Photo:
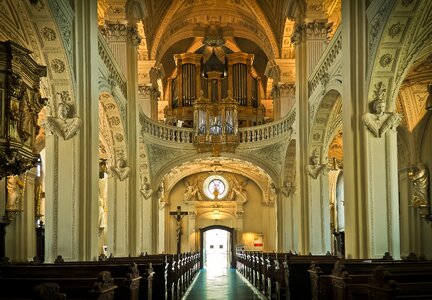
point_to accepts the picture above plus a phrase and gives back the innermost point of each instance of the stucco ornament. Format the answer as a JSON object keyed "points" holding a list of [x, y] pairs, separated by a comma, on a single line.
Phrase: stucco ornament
{"points": [[419, 176], [121, 170], [288, 189], [146, 190], [379, 121], [63, 125], [314, 169]]}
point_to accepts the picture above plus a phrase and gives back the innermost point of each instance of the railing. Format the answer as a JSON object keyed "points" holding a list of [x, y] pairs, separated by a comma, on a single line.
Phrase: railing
{"points": [[108, 59], [174, 134], [327, 60], [165, 132], [267, 131]]}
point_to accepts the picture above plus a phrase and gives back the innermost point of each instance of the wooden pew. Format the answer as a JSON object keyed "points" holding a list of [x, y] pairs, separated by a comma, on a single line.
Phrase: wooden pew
{"points": [[397, 284], [101, 287], [350, 279], [281, 275], [172, 273]]}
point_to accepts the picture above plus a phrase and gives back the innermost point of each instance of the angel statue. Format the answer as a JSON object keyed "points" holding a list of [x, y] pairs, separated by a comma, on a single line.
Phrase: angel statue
{"points": [[192, 192], [380, 121], [238, 191]]}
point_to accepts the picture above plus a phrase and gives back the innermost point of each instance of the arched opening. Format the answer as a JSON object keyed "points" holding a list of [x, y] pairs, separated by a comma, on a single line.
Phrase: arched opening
{"points": [[217, 247]]}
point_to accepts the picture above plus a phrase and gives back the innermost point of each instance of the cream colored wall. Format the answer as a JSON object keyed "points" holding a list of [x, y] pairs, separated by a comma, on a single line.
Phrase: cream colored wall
{"points": [[257, 218]]}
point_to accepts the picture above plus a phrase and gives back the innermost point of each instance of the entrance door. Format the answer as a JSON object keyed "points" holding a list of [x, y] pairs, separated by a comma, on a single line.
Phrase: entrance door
{"points": [[216, 249]]}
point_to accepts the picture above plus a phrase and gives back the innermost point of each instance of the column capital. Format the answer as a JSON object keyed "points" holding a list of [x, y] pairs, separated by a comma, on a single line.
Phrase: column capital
{"points": [[315, 30]]}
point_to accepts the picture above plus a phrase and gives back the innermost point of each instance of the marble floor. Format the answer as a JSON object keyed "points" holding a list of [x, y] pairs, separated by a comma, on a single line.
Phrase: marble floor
{"points": [[221, 283]]}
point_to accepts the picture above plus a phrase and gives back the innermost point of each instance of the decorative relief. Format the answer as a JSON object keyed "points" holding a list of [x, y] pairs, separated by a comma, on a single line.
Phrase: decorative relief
{"points": [[118, 137], [57, 65], [407, 3], [386, 60], [114, 121], [48, 34], [375, 26], [315, 168], [288, 189], [379, 121], [324, 79], [419, 176], [110, 106], [115, 31], [272, 193], [64, 124], [145, 188], [65, 27], [144, 90], [395, 30], [121, 170], [312, 30]]}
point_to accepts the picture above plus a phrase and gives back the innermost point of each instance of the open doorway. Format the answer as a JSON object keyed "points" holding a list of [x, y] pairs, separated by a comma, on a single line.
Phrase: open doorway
{"points": [[216, 243], [216, 247]]}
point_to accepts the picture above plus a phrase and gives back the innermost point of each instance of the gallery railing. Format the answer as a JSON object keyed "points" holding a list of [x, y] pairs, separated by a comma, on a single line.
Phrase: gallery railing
{"points": [[172, 134]]}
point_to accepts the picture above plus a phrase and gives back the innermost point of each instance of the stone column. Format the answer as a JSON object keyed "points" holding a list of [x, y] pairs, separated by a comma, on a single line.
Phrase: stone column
{"points": [[310, 39], [370, 150], [133, 131], [72, 162]]}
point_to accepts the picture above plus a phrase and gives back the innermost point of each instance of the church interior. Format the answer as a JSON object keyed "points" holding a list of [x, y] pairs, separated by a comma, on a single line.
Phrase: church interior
{"points": [[140, 126]]}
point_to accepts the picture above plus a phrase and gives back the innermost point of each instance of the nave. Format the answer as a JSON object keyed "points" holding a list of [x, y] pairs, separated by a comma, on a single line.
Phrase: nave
{"points": [[221, 283]]}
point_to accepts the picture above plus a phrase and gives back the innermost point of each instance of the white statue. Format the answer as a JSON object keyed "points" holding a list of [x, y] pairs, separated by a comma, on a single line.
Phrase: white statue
{"points": [[63, 125], [380, 121], [146, 190], [121, 170], [315, 168], [287, 189], [192, 192], [102, 218], [161, 196], [238, 191]]}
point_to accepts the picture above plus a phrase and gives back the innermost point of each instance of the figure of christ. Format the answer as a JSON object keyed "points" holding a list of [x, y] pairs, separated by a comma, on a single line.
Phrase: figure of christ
{"points": [[178, 215]]}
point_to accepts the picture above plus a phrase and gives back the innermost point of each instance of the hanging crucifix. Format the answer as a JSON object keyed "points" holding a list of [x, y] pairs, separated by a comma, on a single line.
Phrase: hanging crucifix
{"points": [[178, 215]]}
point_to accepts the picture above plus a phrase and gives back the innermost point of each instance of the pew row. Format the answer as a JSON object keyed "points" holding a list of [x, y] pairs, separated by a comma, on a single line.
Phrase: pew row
{"points": [[142, 277]]}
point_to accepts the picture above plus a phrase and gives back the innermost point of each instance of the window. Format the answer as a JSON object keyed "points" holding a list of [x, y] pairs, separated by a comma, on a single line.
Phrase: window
{"points": [[215, 187]]}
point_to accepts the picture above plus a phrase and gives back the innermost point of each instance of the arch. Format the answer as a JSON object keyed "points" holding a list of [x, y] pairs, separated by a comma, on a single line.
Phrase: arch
{"points": [[327, 121], [289, 174], [112, 132], [261, 33], [229, 229], [222, 164], [396, 46]]}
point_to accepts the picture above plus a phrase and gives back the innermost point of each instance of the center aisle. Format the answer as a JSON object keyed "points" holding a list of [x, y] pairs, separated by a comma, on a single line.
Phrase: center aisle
{"points": [[220, 284]]}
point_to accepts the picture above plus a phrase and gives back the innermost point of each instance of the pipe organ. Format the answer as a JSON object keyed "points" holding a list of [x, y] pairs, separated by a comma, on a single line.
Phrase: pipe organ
{"points": [[214, 80]]}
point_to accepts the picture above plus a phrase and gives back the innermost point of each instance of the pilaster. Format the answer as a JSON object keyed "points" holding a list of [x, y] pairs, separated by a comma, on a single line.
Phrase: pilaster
{"points": [[72, 214], [310, 39], [134, 130], [370, 149]]}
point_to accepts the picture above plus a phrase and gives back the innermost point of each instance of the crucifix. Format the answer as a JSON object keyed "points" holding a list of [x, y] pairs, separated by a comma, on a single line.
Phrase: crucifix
{"points": [[178, 215]]}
